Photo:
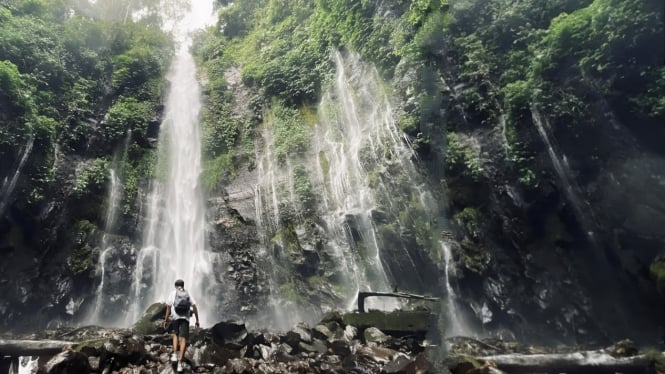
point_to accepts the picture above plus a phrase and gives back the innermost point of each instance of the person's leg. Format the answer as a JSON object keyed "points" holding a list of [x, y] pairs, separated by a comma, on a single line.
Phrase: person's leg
{"points": [[183, 335], [183, 344], [173, 328], [175, 342]]}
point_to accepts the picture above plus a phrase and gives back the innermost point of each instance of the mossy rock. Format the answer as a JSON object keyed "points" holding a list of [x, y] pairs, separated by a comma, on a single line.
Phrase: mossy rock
{"points": [[657, 270], [152, 320], [396, 323], [460, 364]]}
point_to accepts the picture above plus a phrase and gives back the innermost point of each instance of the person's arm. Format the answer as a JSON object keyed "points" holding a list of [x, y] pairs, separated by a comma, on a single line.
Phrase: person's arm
{"points": [[196, 314], [168, 314]]}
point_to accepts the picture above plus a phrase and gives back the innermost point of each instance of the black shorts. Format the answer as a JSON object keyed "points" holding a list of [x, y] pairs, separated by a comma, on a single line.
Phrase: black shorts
{"points": [[180, 327]]}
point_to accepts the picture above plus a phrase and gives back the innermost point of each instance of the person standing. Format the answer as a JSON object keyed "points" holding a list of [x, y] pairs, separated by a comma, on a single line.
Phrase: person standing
{"points": [[179, 306]]}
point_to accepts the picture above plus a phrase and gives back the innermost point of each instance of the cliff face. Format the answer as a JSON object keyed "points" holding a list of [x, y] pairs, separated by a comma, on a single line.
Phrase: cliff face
{"points": [[528, 132], [505, 157], [80, 110]]}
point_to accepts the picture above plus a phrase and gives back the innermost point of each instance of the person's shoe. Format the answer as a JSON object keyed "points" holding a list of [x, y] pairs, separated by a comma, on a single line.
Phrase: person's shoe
{"points": [[179, 369], [174, 357]]}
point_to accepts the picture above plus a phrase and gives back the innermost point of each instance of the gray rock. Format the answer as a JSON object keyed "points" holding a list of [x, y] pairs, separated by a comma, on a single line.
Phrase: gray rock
{"points": [[68, 362], [322, 332], [316, 346], [230, 334], [398, 364], [374, 335], [350, 333], [151, 321], [302, 329], [340, 347], [237, 366], [94, 363], [378, 354]]}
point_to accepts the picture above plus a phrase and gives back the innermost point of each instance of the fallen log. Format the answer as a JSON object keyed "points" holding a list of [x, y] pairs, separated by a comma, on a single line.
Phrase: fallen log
{"points": [[16, 348], [363, 295], [588, 362]]}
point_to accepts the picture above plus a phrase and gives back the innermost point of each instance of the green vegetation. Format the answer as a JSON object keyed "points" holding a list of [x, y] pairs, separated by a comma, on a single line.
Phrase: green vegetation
{"points": [[81, 258], [127, 114], [93, 178], [54, 74], [657, 270], [303, 188], [218, 170], [291, 133], [461, 157], [469, 218]]}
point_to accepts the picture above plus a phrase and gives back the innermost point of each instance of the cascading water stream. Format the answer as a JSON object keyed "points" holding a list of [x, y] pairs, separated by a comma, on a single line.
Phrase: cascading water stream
{"points": [[367, 189], [455, 317], [114, 198], [174, 243], [570, 187], [341, 139], [9, 184]]}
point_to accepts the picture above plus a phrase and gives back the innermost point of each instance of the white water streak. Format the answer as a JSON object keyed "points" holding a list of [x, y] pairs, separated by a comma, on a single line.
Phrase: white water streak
{"points": [[115, 194], [455, 317], [174, 243], [357, 124], [9, 184], [560, 163]]}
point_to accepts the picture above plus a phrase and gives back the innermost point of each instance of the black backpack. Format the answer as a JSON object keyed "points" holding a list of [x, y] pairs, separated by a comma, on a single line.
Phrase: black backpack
{"points": [[182, 303]]}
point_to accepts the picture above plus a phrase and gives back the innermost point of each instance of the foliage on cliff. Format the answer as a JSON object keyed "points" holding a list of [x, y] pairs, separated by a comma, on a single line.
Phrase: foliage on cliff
{"points": [[61, 72], [472, 66]]}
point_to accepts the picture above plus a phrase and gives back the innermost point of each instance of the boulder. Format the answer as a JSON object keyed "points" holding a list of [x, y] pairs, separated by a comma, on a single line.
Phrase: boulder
{"points": [[152, 320], [377, 354], [237, 366], [350, 333], [316, 345], [292, 338], [322, 332], [374, 335], [398, 364], [302, 329], [332, 316], [68, 362], [217, 355], [396, 323], [229, 334], [340, 347]]}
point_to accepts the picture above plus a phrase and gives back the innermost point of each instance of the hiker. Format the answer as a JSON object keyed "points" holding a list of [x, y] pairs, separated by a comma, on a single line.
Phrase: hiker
{"points": [[178, 307]]}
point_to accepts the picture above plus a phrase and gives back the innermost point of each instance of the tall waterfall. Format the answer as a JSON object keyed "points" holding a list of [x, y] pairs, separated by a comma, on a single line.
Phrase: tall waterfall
{"points": [[174, 244], [370, 201]]}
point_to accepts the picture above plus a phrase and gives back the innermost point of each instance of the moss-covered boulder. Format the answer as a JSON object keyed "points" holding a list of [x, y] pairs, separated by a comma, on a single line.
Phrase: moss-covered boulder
{"points": [[152, 320], [396, 323]]}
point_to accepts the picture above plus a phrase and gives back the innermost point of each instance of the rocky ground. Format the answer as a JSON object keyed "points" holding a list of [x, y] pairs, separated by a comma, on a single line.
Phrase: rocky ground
{"points": [[227, 347], [331, 346]]}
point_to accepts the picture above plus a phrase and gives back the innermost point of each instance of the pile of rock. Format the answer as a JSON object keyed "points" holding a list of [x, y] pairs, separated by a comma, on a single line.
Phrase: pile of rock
{"points": [[330, 346]]}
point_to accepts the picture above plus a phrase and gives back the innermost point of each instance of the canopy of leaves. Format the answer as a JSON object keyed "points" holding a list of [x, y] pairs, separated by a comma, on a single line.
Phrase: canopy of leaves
{"points": [[61, 70]]}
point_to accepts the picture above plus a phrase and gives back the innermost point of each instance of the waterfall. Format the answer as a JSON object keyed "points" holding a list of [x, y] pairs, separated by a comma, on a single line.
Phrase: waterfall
{"points": [[174, 240], [357, 122], [9, 184], [368, 194], [98, 314], [26, 365], [455, 317], [562, 169]]}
